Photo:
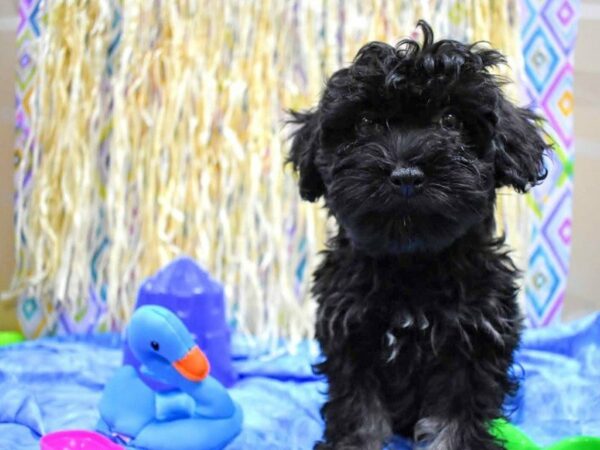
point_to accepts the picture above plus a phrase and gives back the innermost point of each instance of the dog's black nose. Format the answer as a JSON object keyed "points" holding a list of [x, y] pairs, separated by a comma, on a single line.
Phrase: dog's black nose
{"points": [[408, 179]]}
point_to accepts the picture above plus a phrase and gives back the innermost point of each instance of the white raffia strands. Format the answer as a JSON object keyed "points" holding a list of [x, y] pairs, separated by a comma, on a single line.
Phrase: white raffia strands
{"points": [[173, 142]]}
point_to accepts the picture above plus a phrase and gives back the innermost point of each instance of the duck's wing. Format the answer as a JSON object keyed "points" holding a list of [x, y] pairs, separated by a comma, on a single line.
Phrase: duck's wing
{"points": [[127, 404], [190, 434]]}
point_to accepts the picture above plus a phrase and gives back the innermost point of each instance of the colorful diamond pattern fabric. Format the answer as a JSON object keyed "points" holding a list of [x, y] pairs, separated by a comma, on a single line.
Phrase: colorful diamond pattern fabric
{"points": [[548, 30], [542, 59], [558, 105], [29, 308], [542, 282]]}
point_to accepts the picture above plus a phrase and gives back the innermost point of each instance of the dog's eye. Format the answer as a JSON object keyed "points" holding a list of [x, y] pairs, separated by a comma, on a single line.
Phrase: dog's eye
{"points": [[368, 125], [449, 121], [365, 123]]}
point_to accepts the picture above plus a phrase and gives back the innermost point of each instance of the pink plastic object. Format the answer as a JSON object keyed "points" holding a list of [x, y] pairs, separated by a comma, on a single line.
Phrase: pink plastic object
{"points": [[77, 440]]}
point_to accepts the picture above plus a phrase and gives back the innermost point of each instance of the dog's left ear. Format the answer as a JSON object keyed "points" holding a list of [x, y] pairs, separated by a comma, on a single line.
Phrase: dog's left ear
{"points": [[306, 141], [519, 147]]}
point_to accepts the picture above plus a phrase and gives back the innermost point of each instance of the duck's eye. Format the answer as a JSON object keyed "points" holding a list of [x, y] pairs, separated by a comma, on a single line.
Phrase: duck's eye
{"points": [[155, 346], [449, 120]]}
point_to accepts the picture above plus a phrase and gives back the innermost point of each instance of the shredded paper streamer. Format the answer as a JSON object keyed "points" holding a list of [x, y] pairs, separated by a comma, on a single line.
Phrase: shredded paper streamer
{"points": [[152, 129]]}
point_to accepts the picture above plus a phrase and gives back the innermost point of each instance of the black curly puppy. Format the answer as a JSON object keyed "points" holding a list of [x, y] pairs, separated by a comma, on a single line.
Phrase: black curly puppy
{"points": [[417, 316]]}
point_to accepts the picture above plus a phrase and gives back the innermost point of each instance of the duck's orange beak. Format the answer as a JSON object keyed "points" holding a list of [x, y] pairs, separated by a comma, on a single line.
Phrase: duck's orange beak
{"points": [[194, 365]]}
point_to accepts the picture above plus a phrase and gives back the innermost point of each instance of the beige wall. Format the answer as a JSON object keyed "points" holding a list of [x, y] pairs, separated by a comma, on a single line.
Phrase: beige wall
{"points": [[8, 25], [583, 290]]}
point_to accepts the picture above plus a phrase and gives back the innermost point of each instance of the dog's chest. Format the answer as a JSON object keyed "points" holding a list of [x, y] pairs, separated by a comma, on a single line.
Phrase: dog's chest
{"points": [[409, 332], [433, 325], [396, 314], [422, 332]]}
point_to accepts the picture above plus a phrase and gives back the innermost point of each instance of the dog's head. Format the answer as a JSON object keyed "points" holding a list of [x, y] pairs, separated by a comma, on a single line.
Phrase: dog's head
{"points": [[409, 143]]}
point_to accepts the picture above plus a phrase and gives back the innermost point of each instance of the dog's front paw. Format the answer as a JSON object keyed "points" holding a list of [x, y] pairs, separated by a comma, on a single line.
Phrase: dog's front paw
{"points": [[434, 433], [346, 446]]}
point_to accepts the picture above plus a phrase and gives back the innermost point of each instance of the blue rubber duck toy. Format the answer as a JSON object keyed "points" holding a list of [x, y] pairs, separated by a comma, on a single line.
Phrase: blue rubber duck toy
{"points": [[196, 414]]}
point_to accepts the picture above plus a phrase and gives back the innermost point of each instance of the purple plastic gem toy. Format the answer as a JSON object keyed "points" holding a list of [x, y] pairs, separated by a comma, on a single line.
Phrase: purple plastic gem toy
{"points": [[186, 289]]}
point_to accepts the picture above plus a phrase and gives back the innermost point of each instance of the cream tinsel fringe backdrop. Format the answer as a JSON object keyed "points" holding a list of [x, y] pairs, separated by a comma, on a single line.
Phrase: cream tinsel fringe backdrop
{"points": [[157, 129]]}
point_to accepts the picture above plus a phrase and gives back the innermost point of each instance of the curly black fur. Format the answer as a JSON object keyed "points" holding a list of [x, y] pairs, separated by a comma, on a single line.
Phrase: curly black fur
{"points": [[417, 314]]}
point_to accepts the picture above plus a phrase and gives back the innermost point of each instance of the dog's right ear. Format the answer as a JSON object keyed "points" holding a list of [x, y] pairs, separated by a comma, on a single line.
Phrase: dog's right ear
{"points": [[305, 144]]}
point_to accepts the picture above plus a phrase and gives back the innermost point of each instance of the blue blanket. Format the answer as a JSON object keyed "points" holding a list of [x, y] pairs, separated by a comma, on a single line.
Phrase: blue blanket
{"points": [[55, 384]]}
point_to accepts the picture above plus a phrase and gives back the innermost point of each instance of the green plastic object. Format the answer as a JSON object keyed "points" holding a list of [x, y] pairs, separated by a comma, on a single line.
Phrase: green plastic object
{"points": [[577, 443], [512, 436], [10, 337], [515, 439]]}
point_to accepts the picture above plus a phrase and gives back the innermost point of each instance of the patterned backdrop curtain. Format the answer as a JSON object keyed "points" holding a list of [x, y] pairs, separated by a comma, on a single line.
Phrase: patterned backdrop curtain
{"points": [[150, 129], [548, 31]]}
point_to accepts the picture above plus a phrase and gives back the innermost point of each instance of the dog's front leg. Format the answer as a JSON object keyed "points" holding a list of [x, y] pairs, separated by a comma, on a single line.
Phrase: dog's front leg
{"points": [[355, 417], [460, 403]]}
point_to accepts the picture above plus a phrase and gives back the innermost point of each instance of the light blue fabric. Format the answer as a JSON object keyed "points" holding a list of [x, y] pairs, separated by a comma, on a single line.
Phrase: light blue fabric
{"points": [[55, 384]]}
